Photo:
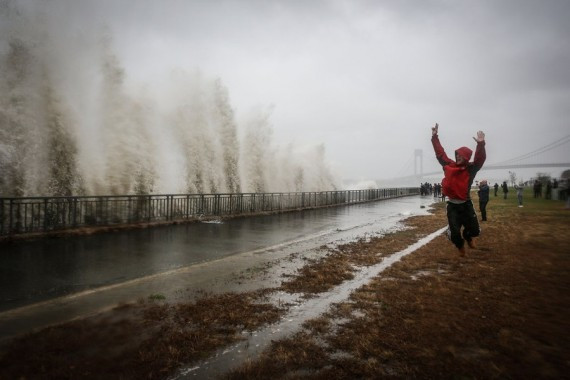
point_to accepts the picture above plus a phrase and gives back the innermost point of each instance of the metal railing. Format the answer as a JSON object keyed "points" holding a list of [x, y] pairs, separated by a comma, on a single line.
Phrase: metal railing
{"points": [[46, 214]]}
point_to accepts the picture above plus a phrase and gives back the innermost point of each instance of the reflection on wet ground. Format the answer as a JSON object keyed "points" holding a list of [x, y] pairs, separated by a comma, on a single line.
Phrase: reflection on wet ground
{"points": [[249, 348], [43, 281]]}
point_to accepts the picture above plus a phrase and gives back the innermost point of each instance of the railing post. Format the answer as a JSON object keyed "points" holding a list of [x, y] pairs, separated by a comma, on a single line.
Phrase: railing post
{"points": [[74, 211], [2, 217], [217, 204], [167, 208], [10, 217], [130, 217], [45, 214], [105, 202], [187, 206], [10, 227]]}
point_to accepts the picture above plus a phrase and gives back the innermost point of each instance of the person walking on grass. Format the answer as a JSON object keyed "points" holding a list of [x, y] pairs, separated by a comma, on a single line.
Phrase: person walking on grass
{"points": [[483, 194], [519, 189], [505, 188], [536, 189], [549, 189], [456, 185], [496, 187]]}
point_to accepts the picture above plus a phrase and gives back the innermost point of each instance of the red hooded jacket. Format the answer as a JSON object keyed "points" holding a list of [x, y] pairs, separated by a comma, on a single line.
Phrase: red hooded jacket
{"points": [[458, 178]]}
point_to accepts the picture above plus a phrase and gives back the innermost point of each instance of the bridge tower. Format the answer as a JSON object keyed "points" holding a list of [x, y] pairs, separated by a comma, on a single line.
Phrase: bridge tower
{"points": [[418, 155]]}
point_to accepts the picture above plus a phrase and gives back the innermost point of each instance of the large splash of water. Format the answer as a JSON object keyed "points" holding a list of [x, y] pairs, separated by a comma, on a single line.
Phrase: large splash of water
{"points": [[72, 124]]}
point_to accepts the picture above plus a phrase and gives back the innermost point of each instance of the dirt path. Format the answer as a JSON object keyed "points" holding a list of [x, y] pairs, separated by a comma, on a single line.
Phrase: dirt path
{"points": [[501, 311]]}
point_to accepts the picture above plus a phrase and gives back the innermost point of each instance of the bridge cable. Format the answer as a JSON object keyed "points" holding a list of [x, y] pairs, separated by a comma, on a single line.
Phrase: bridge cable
{"points": [[407, 165], [538, 151]]}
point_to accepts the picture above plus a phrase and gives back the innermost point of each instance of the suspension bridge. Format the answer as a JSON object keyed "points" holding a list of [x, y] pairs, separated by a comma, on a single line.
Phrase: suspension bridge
{"points": [[538, 158]]}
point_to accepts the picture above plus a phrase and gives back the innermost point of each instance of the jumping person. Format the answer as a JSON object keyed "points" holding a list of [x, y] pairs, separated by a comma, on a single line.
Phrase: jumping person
{"points": [[456, 185]]}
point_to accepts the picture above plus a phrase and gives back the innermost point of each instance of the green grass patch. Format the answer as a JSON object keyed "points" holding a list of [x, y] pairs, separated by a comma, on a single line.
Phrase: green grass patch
{"points": [[531, 205]]}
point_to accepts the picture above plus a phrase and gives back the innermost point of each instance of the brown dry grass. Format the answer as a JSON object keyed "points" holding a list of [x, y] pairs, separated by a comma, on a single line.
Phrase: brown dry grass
{"points": [[145, 340], [500, 312], [322, 274]]}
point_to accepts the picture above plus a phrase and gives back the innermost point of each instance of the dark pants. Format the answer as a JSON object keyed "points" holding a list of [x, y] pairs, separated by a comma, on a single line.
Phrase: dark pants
{"points": [[483, 209], [462, 215]]}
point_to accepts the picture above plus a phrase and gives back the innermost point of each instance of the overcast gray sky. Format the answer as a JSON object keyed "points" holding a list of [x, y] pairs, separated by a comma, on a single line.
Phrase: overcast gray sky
{"points": [[366, 78]]}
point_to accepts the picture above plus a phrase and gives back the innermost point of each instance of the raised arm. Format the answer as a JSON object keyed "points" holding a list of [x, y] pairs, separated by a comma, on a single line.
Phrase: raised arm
{"points": [[434, 130], [480, 153], [439, 152]]}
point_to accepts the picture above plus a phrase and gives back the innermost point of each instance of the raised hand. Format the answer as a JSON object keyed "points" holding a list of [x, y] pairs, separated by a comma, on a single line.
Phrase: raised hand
{"points": [[480, 136], [434, 130]]}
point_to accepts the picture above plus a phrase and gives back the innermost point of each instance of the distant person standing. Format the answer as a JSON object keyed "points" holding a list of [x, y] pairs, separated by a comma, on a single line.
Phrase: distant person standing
{"points": [[456, 185], [520, 189], [568, 193], [536, 189], [505, 189], [483, 194], [496, 186], [438, 190], [549, 189]]}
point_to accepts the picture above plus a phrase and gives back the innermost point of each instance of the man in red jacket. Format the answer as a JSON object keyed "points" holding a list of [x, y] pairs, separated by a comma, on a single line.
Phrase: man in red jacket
{"points": [[456, 186]]}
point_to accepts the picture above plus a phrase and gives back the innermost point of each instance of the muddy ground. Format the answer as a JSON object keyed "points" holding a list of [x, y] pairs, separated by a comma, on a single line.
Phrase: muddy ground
{"points": [[502, 311]]}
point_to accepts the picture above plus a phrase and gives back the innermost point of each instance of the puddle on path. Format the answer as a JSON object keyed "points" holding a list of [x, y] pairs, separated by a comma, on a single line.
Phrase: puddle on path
{"points": [[303, 310]]}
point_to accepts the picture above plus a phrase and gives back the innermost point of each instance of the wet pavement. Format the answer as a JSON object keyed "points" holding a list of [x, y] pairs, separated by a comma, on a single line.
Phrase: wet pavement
{"points": [[252, 345], [48, 281]]}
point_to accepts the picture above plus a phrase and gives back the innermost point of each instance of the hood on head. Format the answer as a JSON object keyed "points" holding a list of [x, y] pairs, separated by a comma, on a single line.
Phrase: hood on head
{"points": [[464, 152]]}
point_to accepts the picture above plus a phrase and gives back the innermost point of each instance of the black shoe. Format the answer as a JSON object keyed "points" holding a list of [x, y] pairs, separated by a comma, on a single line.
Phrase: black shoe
{"points": [[461, 251]]}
